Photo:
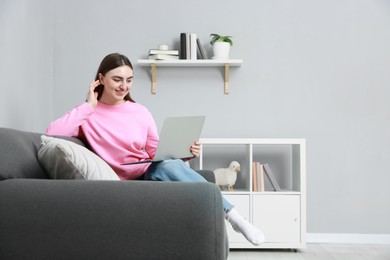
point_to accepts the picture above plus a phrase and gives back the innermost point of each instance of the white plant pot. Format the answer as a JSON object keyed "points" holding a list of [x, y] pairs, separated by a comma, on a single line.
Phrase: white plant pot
{"points": [[221, 50]]}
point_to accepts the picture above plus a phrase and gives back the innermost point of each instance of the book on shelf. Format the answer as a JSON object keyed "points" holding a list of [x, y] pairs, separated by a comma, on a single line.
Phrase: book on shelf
{"points": [[163, 57], [260, 177], [201, 52], [254, 177], [193, 46], [183, 46], [271, 177], [167, 52], [257, 177], [188, 46]]}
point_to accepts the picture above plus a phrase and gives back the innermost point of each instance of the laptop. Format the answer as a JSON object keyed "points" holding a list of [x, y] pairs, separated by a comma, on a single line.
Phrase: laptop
{"points": [[176, 137]]}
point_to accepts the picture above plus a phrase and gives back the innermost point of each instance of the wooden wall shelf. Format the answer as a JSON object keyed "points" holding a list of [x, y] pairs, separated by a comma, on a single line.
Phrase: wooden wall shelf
{"points": [[190, 63]]}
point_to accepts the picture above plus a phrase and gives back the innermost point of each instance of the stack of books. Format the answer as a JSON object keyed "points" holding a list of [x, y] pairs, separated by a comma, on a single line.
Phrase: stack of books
{"points": [[190, 47], [260, 170], [161, 54]]}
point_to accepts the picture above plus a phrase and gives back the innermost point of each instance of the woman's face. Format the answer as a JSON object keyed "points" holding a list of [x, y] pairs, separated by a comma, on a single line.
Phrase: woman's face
{"points": [[117, 83]]}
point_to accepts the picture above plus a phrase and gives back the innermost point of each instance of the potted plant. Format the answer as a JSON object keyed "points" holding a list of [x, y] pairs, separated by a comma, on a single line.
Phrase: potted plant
{"points": [[221, 46]]}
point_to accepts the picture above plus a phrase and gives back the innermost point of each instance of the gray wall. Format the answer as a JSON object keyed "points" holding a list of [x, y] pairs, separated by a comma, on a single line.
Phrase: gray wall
{"points": [[312, 69], [26, 64]]}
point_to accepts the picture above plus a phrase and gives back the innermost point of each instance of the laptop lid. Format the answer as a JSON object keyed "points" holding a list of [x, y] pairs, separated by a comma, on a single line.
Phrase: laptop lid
{"points": [[176, 137]]}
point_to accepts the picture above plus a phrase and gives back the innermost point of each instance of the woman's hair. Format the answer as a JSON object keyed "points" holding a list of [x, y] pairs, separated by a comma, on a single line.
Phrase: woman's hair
{"points": [[110, 62]]}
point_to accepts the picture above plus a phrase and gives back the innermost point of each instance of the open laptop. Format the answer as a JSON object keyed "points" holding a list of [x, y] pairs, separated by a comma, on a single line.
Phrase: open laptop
{"points": [[176, 137]]}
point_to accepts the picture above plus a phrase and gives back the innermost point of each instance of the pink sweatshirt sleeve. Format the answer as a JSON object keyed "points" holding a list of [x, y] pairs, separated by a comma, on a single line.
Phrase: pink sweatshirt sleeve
{"points": [[68, 124], [152, 139]]}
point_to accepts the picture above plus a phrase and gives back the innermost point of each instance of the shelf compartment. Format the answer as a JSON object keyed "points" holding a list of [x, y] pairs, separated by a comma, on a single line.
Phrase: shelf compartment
{"points": [[279, 159], [220, 156]]}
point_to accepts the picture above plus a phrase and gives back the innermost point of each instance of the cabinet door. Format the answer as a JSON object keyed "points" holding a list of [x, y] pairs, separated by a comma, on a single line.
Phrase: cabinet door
{"points": [[241, 204], [278, 216]]}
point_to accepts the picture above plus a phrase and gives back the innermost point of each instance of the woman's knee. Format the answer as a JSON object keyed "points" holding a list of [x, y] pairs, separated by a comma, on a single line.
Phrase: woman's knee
{"points": [[174, 170], [168, 164], [165, 170]]}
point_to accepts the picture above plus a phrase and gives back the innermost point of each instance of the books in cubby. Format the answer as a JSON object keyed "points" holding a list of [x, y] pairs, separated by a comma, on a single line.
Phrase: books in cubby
{"points": [[257, 176], [271, 177], [190, 47], [260, 170]]}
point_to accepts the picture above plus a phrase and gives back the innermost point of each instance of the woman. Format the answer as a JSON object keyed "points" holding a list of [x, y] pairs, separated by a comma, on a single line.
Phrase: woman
{"points": [[120, 130]]}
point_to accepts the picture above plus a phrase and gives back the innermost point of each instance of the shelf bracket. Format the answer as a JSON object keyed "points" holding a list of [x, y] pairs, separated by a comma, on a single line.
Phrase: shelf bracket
{"points": [[227, 79], [154, 72]]}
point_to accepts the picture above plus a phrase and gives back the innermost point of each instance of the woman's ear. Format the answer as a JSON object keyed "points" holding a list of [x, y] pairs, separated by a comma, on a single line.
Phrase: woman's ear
{"points": [[101, 77]]}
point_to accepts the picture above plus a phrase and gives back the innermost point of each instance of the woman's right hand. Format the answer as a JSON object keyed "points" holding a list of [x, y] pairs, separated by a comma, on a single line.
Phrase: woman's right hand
{"points": [[92, 95]]}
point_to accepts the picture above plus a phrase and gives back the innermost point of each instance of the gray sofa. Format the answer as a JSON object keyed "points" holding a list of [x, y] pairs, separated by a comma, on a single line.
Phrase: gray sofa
{"points": [[41, 218]]}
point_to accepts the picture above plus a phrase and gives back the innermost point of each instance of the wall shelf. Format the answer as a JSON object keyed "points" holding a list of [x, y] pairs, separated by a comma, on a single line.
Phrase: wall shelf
{"points": [[190, 63]]}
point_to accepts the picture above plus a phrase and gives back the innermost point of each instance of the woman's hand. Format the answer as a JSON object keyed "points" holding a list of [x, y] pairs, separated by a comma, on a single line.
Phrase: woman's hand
{"points": [[92, 95], [195, 149]]}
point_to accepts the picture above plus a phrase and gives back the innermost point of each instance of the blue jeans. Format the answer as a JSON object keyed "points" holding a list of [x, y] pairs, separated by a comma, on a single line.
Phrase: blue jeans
{"points": [[177, 170]]}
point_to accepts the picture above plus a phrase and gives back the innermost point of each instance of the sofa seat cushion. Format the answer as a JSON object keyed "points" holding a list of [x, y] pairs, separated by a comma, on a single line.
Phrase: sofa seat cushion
{"points": [[63, 159], [73, 219]]}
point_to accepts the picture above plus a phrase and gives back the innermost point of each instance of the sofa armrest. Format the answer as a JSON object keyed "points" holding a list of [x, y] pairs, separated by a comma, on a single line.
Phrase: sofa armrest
{"points": [[61, 219], [208, 175]]}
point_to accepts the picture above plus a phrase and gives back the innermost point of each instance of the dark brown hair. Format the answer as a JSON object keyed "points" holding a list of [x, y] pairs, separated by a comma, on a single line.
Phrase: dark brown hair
{"points": [[110, 62]]}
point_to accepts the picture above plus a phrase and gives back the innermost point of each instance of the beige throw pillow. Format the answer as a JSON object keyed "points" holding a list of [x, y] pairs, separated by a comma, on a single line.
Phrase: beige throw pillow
{"points": [[64, 159]]}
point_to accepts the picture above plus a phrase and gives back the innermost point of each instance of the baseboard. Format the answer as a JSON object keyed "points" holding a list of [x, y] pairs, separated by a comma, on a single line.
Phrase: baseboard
{"points": [[339, 238]]}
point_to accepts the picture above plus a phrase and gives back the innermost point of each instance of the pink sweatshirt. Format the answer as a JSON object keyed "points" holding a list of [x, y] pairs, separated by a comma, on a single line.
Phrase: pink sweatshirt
{"points": [[117, 133]]}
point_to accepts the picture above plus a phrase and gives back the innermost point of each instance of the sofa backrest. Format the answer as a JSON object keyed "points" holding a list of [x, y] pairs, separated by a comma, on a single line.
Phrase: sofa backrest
{"points": [[18, 154]]}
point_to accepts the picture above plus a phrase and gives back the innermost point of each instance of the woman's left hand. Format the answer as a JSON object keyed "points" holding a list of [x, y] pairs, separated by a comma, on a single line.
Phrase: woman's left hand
{"points": [[195, 148]]}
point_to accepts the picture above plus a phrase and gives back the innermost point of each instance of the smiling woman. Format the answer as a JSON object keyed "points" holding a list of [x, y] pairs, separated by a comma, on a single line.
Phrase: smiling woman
{"points": [[120, 131]]}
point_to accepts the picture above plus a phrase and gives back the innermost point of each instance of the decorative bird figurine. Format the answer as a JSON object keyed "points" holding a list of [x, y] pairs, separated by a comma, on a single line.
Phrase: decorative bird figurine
{"points": [[227, 176]]}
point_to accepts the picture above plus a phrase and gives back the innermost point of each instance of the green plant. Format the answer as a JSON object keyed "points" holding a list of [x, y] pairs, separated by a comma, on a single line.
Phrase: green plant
{"points": [[220, 38]]}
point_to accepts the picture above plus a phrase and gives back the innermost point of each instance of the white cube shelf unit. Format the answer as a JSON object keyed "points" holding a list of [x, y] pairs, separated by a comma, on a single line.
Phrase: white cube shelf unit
{"points": [[281, 215]]}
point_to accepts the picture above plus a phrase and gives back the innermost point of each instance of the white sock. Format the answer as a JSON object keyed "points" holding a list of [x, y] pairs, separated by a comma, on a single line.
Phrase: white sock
{"points": [[241, 225]]}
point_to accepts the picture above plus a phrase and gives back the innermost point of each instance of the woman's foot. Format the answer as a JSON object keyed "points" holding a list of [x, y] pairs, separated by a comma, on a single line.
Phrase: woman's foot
{"points": [[241, 225]]}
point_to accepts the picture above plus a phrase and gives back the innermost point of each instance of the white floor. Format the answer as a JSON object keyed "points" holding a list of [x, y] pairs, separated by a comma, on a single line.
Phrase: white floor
{"points": [[318, 252]]}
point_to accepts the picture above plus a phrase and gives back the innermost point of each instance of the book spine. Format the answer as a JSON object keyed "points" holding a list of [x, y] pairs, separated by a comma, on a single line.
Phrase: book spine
{"points": [[254, 177], [198, 54], [183, 46], [202, 54], [261, 177], [193, 46], [188, 49], [271, 177]]}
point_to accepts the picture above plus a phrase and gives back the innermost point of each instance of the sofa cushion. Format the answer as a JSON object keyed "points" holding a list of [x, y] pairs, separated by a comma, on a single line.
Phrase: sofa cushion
{"points": [[18, 155], [63, 159], [73, 219]]}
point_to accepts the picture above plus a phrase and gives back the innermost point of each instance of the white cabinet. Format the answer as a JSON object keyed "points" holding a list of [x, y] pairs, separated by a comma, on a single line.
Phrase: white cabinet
{"points": [[278, 216], [281, 215]]}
